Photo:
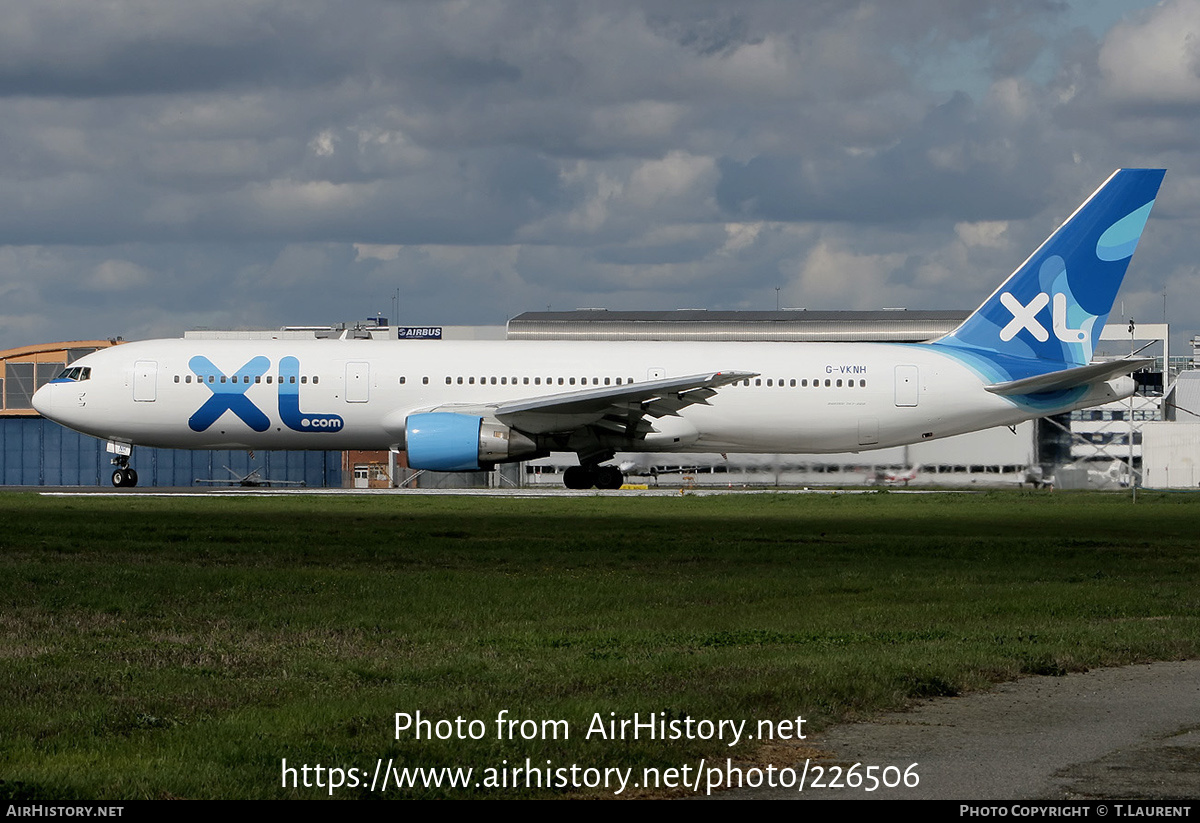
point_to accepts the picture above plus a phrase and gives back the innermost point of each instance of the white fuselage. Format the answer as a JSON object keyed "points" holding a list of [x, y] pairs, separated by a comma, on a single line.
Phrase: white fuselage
{"points": [[807, 397]]}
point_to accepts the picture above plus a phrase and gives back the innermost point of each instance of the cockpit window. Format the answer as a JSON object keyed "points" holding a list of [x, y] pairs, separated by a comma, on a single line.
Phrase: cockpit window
{"points": [[76, 374]]}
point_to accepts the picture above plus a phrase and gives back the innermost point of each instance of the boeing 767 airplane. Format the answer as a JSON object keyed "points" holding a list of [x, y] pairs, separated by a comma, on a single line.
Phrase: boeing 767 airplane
{"points": [[461, 406]]}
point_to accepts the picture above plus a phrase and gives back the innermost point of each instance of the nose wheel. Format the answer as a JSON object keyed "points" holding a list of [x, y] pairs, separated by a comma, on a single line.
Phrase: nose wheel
{"points": [[123, 476]]}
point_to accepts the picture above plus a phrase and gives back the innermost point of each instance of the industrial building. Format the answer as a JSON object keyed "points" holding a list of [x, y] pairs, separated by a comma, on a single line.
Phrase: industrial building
{"points": [[1172, 446]]}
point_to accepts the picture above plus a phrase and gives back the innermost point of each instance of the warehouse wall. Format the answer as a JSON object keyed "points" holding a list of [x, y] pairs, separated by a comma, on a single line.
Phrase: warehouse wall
{"points": [[37, 452]]}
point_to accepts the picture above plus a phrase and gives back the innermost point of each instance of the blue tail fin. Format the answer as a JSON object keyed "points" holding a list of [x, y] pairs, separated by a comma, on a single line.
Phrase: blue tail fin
{"points": [[1052, 309]]}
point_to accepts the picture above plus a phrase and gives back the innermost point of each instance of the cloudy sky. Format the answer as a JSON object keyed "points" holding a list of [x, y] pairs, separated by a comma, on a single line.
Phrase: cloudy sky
{"points": [[166, 165]]}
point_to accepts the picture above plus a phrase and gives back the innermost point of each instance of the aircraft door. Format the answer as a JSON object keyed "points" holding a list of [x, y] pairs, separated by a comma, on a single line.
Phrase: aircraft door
{"points": [[145, 381], [908, 386], [358, 382]]}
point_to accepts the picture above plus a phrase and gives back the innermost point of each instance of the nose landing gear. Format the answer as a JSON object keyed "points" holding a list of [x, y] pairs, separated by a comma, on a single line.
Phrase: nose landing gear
{"points": [[123, 475]]}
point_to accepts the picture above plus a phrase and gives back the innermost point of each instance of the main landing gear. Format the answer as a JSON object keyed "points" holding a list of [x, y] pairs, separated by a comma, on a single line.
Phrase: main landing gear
{"points": [[587, 476]]}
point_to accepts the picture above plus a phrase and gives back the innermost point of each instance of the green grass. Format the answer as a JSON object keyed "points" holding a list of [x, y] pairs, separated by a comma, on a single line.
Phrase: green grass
{"points": [[158, 647]]}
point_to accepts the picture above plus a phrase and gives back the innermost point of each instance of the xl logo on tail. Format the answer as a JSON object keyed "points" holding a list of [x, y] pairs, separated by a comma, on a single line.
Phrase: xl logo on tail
{"points": [[1025, 317]]}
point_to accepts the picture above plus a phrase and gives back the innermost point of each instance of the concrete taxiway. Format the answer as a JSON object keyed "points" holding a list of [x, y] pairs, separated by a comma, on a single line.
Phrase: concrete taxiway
{"points": [[1129, 733], [528, 492]]}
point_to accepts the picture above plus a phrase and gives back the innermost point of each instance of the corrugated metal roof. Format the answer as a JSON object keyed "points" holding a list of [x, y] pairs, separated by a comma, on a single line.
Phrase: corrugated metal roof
{"points": [[693, 324]]}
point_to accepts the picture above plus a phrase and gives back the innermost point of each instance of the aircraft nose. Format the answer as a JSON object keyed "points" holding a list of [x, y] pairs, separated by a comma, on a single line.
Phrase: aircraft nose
{"points": [[43, 400]]}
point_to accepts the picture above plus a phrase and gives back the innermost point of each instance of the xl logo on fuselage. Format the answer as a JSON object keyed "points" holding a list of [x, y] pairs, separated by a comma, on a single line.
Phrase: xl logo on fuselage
{"points": [[1025, 317], [289, 402], [229, 394]]}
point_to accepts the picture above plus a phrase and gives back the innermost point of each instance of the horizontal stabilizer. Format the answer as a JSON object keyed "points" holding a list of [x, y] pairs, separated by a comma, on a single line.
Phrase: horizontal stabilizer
{"points": [[1069, 378]]}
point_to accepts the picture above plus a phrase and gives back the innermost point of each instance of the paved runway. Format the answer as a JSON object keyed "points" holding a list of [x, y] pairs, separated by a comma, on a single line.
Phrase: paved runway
{"points": [[1123, 733], [535, 491]]}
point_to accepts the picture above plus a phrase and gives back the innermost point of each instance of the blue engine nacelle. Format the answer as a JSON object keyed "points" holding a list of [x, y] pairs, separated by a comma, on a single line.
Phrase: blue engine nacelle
{"points": [[453, 442]]}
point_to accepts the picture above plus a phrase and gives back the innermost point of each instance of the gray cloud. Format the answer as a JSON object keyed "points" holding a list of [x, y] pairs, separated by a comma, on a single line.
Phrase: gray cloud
{"points": [[167, 164]]}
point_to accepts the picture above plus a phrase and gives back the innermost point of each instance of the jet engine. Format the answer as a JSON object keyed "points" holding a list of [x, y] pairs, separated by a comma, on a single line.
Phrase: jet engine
{"points": [[452, 442]]}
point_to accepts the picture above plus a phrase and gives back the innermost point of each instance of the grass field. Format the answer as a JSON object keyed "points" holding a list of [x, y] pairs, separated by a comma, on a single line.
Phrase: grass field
{"points": [[158, 647]]}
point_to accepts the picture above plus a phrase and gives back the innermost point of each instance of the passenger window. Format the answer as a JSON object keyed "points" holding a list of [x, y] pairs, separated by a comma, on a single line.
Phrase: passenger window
{"points": [[424, 381], [292, 379], [316, 379], [176, 378], [304, 379]]}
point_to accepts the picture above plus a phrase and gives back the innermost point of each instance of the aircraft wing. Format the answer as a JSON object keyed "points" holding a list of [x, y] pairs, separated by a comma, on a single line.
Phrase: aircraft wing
{"points": [[1069, 378], [620, 409]]}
